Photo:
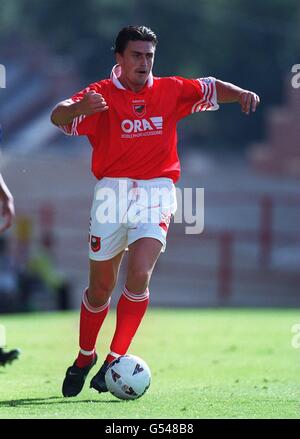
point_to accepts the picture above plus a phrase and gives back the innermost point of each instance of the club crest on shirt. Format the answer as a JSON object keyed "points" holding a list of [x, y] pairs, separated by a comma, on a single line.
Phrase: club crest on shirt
{"points": [[95, 243], [139, 108]]}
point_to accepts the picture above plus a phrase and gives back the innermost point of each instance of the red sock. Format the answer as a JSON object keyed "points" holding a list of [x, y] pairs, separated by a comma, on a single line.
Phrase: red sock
{"points": [[130, 311], [91, 320]]}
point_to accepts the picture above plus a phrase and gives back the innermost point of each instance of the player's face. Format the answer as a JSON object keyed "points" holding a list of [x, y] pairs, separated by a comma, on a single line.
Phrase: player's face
{"points": [[136, 63]]}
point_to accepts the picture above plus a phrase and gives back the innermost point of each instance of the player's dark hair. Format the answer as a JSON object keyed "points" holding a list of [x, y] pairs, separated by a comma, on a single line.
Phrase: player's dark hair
{"points": [[133, 33]]}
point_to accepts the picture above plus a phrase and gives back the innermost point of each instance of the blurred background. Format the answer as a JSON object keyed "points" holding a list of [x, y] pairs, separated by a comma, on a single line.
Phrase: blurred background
{"points": [[249, 166]]}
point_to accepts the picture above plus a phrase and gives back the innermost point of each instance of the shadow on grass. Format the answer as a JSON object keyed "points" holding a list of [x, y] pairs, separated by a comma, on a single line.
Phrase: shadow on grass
{"points": [[47, 401]]}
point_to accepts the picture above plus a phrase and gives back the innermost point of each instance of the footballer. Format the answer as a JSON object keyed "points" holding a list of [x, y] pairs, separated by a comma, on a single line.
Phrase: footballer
{"points": [[130, 120]]}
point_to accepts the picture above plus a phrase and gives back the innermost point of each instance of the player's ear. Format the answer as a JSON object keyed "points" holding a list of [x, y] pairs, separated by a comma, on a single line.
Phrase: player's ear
{"points": [[119, 58]]}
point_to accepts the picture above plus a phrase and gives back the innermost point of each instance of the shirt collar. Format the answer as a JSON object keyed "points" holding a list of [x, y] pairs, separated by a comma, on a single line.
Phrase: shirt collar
{"points": [[116, 72]]}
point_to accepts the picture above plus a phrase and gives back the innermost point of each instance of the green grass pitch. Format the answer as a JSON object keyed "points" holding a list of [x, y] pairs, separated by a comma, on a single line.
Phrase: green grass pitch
{"points": [[205, 364]]}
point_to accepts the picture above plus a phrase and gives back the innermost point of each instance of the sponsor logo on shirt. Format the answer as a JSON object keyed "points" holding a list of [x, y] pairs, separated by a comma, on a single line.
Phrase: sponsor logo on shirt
{"points": [[142, 127]]}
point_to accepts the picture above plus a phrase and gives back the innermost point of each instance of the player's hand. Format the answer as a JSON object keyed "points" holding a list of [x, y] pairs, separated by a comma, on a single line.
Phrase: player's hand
{"points": [[8, 213], [248, 101], [91, 103]]}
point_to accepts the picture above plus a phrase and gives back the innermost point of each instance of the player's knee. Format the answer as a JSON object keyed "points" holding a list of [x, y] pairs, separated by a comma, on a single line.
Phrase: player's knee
{"points": [[98, 294], [138, 279]]}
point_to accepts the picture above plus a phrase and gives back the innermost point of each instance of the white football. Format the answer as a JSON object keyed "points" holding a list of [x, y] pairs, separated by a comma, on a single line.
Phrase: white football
{"points": [[128, 377]]}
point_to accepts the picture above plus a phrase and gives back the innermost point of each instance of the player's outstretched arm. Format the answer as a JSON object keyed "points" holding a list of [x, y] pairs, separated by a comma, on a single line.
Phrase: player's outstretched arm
{"points": [[66, 111], [227, 93], [7, 205]]}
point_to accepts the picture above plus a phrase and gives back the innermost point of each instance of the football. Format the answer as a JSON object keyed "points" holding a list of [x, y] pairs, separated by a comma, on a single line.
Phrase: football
{"points": [[128, 377]]}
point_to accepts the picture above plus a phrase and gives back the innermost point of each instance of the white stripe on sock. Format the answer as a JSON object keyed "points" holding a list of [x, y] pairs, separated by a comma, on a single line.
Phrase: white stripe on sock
{"points": [[92, 308], [135, 297], [83, 352], [134, 300], [114, 354]]}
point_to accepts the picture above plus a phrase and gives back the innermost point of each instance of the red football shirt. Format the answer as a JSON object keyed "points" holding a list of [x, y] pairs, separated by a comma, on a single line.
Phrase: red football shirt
{"points": [[136, 137]]}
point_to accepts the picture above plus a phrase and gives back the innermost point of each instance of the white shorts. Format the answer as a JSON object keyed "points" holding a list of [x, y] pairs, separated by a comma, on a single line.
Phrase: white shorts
{"points": [[125, 210]]}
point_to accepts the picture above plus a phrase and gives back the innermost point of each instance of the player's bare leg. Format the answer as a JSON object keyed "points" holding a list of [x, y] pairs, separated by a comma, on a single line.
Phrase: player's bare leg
{"points": [[103, 278], [94, 308], [133, 303], [142, 257]]}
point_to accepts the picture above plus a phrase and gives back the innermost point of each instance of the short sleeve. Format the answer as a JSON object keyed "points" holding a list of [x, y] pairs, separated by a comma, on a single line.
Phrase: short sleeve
{"points": [[196, 95], [83, 125]]}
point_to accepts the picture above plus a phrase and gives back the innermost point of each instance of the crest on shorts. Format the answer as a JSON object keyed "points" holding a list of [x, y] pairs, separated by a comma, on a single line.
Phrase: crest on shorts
{"points": [[139, 109], [95, 243]]}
